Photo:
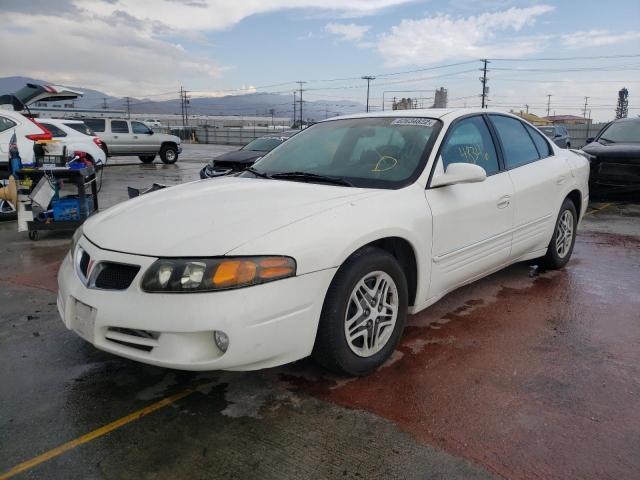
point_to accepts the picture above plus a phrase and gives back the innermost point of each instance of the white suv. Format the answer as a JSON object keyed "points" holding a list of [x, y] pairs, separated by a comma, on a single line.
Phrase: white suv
{"points": [[77, 137]]}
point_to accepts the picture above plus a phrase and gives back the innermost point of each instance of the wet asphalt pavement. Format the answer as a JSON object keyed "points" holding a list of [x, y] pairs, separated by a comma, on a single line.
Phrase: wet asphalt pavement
{"points": [[524, 374]]}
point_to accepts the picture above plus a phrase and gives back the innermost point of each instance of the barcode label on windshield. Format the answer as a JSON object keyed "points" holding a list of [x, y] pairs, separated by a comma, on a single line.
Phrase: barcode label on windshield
{"points": [[416, 122]]}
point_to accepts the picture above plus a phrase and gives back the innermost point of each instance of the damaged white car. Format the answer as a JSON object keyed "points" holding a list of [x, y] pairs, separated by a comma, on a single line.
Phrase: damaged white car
{"points": [[325, 245]]}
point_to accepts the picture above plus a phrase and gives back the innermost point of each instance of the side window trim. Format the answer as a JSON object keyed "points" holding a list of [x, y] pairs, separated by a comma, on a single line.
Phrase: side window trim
{"points": [[544, 139], [447, 134], [500, 141]]}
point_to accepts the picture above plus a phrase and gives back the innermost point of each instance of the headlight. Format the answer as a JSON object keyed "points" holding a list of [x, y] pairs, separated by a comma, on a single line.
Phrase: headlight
{"points": [[183, 275], [75, 239]]}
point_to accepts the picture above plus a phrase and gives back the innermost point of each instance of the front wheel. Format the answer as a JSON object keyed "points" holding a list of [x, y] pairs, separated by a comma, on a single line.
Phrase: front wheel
{"points": [[169, 154], [147, 158], [7, 210], [363, 315], [564, 237]]}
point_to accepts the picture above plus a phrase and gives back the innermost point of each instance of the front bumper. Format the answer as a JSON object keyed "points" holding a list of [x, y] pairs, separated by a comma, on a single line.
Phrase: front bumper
{"points": [[267, 325], [615, 173]]}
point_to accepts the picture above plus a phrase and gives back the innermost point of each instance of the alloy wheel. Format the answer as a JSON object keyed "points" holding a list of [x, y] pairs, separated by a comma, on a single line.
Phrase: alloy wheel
{"points": [[564, 234], [371, 314]]}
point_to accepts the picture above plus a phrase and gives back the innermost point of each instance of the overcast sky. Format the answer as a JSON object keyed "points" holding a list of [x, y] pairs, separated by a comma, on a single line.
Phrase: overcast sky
{"points": [[148, 48]]}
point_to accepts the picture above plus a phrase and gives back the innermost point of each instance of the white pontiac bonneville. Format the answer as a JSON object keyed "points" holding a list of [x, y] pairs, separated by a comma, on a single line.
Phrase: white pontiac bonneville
{"points": [[325, 245]]}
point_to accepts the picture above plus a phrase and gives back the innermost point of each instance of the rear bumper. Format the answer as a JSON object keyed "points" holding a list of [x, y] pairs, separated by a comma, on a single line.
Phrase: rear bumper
{"points": [[267, 325]]}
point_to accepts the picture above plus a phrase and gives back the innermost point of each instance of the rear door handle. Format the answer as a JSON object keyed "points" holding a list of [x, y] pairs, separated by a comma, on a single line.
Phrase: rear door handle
{"points": [[504, 201], [115, 136]]}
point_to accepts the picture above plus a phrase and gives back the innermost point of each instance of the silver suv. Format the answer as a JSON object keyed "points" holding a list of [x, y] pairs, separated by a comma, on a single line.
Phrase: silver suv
{"points": [[558, 135], [133, 138]]}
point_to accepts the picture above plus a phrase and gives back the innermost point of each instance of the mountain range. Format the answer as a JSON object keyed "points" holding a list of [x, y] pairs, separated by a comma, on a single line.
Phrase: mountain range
{"points": [[243, 105]]}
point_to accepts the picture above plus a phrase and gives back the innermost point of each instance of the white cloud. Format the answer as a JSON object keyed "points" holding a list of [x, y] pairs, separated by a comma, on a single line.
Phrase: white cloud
{"points": [[347, 31], [442, 37], [597, 38], [220, 14]]}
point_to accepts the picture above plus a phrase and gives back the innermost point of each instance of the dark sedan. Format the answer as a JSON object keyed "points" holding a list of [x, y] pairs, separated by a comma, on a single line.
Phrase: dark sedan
{"points": [[615, 156], [239, 160]]}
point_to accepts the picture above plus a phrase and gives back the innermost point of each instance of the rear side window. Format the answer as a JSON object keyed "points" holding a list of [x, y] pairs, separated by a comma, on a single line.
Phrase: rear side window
{"points": [[6, 124], [95, 124], [469, 141], [55, 131], [119, 126], [518, 147], [80, 127], [541, 144]]}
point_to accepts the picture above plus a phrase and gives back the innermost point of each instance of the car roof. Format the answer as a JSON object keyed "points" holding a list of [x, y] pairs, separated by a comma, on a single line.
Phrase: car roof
{"points": [[632, 119], [440, 113]]}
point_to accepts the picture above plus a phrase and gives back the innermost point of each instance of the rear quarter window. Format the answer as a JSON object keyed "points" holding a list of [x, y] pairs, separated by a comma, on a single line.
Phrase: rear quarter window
{"points": [[119, 126], [517, 145], [97, 124], [541, 143]]}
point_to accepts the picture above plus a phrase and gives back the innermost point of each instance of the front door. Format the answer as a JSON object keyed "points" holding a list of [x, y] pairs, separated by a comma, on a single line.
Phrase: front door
{"points": [[142, 138], [471, 221], [120, 141]]}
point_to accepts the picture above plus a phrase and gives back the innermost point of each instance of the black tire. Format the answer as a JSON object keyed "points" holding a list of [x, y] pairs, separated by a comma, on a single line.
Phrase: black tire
{"points": [[147, 158], [169, 154], [553, 260], [331, 349]]}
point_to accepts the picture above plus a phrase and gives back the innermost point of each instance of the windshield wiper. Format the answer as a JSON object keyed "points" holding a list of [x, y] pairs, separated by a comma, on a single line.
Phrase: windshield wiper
{"points": [[312, 177], [606, 140], [257, 173]]}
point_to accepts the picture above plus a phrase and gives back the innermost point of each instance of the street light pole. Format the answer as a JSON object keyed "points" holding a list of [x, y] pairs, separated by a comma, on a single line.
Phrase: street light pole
{"points": [[368, 78]]}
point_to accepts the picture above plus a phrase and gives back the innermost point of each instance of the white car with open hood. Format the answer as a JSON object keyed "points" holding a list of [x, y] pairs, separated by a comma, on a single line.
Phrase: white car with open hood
{"points": [[325, 245]]}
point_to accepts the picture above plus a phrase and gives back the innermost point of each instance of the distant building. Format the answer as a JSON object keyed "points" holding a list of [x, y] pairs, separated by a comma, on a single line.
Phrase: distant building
{"points": [[68, 110], [440, 99], [531, 118], [568, 119], [404, 104]]}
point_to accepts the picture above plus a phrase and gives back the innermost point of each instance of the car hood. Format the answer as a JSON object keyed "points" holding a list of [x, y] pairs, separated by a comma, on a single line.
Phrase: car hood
{"points": [[209, 218], [617, 150], [239, 156]]}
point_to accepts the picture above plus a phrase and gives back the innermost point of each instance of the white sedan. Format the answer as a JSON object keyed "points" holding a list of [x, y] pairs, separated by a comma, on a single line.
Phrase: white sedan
{"points": [[325, 245]]}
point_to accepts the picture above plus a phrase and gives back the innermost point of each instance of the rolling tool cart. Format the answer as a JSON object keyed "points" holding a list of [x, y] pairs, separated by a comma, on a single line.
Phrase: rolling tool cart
{"points": [[49, 211]]}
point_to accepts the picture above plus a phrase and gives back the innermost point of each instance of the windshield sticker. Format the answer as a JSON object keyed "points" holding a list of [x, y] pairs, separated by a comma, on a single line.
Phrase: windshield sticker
{"points": [[416, 122]]}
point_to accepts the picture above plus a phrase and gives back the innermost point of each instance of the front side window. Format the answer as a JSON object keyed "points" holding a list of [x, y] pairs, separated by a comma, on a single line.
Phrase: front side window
{"points": [[6, 124], [368, 152], [119, 126], [95, 124], [626, 131], [140, 128], [55, 131], [518, 147], [541, 144], [469, 141]]}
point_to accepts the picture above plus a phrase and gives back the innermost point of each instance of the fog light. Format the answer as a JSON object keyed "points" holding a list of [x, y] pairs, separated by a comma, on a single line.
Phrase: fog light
{"points": [[222, 341]]}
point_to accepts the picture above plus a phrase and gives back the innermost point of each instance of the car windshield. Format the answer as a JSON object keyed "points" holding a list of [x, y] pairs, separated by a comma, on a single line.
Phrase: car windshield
{"points": [[622, 132], [263, 144], [82, 128], [367, 152]]}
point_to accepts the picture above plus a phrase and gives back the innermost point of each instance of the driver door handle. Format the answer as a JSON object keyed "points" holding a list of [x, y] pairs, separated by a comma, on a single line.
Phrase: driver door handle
{"points": [[504, 201]]}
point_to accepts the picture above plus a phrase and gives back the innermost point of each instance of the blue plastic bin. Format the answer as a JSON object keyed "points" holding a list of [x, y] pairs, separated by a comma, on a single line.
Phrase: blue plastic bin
{"points": [[68, 208]]}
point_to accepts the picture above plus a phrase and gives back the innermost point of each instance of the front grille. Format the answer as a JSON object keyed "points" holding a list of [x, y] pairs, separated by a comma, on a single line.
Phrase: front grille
{"points": [[84, 262], [115, 276]]}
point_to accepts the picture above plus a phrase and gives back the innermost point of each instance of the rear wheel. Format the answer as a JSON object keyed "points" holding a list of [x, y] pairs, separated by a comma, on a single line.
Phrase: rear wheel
{"points": [[169, 154], [363, 315], [147, 158], [7, 210], [563, 239]]}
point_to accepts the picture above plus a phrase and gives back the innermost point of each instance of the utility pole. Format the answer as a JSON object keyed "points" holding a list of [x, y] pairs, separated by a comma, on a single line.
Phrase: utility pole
{"points": [[128, 101], [301, 82], [368, 78], [182, 104], [294, 108], [549, 104], [584, 113], [104, 103], [483, 80], [527, 107]]}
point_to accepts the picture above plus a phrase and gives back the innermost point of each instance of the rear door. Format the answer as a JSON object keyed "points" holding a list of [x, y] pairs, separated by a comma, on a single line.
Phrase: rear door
{"points": [[537, 175], [120, 140], [471, 221]]}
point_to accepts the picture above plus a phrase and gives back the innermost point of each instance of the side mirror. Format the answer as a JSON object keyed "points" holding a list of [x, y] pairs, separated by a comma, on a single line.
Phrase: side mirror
{"points": [[150, 132], [590, 139], [459, 173]]}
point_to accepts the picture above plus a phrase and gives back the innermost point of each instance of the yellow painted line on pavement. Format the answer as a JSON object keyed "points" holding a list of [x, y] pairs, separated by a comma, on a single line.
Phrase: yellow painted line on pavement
{"points": [[99, 432], [606, 205]]}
